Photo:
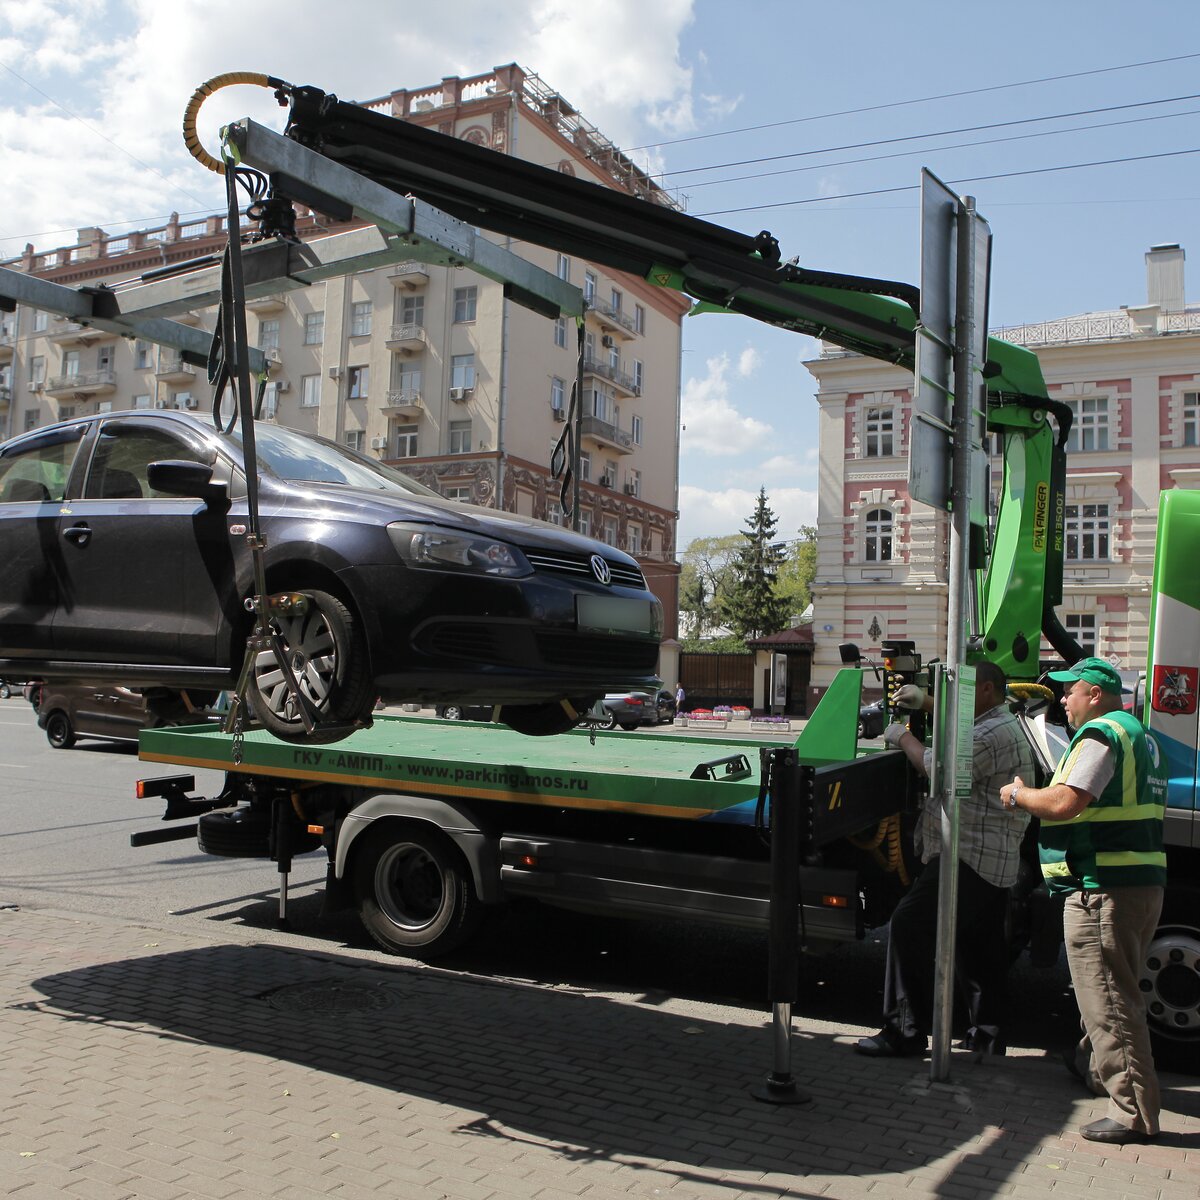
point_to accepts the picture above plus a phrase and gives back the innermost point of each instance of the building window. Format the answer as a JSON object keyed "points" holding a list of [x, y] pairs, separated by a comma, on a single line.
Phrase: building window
{"points": [[639, 375], [66, 412], [464, 304], [105, 406], [560, 332], [564, 267], [358, 379], [270, 401], [589, 287], [1191, 418], [70, 362], [37, 369], [310, 391], [639, 319], [879, 432], [608, 532], [141, 401], [616, 300], [406, 441], [407, 379], [314, 328], [460, 437], [1082, 627], [633, 539], [40, 320], [458, 491], [558, 394], [878, 529], [31, 419], [585, 523], [585, 467], [1087, 532], [635, 429], [462, 371], [356, 439], [268, 335], [1089, 429], [614, 357], [360, 318], [412, 310], [602, 404], [554, 512], [141, 356], [104, 358], [633, 483]]}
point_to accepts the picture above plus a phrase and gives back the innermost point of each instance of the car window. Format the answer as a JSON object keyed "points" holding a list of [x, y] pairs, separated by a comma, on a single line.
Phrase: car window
{"points": [[307, 459], [124, 452], [37, 471]]}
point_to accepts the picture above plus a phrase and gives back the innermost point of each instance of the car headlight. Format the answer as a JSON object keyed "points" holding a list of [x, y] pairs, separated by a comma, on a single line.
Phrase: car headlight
{"points": [[450, 550]]}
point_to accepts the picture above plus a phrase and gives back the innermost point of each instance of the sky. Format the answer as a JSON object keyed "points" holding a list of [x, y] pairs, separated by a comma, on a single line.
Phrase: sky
{"points": [[1074, 124]]}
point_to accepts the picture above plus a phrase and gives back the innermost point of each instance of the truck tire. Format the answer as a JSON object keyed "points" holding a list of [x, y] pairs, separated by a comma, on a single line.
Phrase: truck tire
{"points": [[241, 832], [1170, 981], [330, 657], [59, 731], [415, 893]]}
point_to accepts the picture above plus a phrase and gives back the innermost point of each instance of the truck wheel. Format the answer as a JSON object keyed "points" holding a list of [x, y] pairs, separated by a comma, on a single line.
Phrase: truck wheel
{"points": [[415, 893], [59, 732], [241, 832], [328, 655], [1170, 980]]}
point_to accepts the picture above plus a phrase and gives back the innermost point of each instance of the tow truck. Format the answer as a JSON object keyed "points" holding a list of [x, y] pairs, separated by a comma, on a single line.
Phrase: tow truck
{"points": [[423, 825]]}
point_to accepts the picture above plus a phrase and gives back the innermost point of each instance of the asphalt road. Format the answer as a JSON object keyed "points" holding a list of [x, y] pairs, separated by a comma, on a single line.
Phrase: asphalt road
{"points": [[65, 821]]}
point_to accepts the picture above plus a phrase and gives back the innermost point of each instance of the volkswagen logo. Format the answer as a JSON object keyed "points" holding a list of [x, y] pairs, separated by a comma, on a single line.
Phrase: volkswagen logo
{"points": [[600, 569]]}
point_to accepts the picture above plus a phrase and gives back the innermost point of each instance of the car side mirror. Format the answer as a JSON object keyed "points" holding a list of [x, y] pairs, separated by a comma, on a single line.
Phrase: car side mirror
{"points": [[180, 477]]}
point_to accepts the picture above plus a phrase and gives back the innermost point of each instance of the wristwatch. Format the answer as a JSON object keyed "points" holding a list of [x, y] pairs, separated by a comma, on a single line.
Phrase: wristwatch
{"points": [[1011, 802]]}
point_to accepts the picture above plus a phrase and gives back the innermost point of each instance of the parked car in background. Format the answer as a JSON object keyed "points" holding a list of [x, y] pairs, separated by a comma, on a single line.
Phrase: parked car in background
{"points": [[123, 543], [666, 706], [628, 710], [464, 712], [871, 719], [68, 712]]}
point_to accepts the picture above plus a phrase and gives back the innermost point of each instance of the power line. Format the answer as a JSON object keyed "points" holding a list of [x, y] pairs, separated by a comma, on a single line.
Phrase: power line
{"points": [[850, 112], [1108, 162]]}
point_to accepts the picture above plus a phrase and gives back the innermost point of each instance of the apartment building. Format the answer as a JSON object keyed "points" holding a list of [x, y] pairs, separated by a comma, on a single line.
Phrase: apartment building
{"points": [[1132, 379], [427, 368]]}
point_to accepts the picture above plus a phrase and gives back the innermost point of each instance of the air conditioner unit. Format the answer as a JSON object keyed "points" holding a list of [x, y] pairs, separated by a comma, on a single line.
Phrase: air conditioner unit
{"points": [[379, 443], [272, 356], [607, 481], [607, 342], [283, 385], [558, 414], [335, 372], [459, 394], [631, 489], [35, 385], [160, 404]]}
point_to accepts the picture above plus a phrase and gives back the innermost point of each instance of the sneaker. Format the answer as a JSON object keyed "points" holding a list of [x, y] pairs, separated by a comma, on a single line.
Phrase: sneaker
{"points": [[890, 1043]]}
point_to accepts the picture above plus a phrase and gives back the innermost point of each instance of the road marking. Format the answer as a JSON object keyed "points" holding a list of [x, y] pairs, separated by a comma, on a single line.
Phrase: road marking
{"points": [[16, 766]]}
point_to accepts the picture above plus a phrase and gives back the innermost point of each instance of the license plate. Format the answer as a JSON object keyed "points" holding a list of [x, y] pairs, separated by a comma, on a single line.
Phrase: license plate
{"points": [[611, 614]]}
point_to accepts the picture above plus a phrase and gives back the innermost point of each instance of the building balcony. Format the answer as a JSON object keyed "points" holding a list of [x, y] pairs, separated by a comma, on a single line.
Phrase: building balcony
{"points": [[408, 276], [266, 306], [6, 346], [172, 369], [606, 434], [407, 339], [71, 333], [617, 378], [404, 403], [83, 383], [613, 319]]}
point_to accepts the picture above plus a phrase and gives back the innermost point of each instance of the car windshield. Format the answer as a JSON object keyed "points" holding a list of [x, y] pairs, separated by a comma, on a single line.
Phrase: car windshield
{"points": [[307, 459]]}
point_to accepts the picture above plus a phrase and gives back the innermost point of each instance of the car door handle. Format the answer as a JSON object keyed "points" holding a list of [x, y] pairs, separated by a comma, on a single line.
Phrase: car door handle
{"points": [[78, 533]]}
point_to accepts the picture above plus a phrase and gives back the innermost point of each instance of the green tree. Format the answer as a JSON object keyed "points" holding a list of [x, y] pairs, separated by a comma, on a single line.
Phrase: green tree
{"points": [[752, 607], [797, 571], [704, 578]]}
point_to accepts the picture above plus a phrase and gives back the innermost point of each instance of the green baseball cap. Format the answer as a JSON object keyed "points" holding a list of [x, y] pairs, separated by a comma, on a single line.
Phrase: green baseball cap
{"points": [[1092, 670]]}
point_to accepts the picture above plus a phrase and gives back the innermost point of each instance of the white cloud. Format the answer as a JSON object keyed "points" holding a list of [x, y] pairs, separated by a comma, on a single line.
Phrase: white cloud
{"points": [[128, 67], [712, 425], [707, 513], [748, 362]]}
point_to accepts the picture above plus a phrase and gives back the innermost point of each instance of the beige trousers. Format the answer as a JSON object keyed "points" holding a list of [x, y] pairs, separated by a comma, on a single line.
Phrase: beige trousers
{"points": [[1107, 934]]}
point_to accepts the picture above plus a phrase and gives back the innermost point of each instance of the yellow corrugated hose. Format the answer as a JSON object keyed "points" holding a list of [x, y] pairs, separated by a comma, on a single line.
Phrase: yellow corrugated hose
{"points": [[191, 139]]}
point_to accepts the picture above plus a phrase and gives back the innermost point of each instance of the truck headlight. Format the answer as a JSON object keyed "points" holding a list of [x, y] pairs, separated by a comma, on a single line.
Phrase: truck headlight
{"points": [[440, 549]]}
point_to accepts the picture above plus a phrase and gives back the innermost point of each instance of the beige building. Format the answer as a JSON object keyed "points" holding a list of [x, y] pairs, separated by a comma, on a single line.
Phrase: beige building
{"points": [[424, 367], [1132, 379]]}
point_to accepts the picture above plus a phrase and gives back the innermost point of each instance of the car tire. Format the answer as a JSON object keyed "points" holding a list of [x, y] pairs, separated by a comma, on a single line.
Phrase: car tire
{"points": [[5, 691], [628, 726], [542, 720], [451, 712], [334, 675], [60, 733], [415, 892]]}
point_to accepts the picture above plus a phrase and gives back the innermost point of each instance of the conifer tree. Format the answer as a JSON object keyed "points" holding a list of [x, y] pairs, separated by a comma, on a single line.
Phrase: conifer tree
{"points": [[751, 607]]}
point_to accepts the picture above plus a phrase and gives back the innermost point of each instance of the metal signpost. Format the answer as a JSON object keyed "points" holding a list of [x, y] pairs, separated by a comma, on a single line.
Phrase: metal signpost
{"points": [[948, 470]]}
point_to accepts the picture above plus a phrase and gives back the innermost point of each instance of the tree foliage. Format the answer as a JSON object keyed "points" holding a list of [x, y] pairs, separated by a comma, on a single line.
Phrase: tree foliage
{"points": [[797, 571], [751, 606], [703, 582]]}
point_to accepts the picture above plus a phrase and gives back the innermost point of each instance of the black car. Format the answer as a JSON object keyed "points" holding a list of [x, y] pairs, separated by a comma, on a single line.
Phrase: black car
{"points": [[666, 706], [871, 719], [123, 543]]}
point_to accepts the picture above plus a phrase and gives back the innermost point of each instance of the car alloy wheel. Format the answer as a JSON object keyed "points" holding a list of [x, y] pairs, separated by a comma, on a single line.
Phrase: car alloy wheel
{"points": [[328, 658]]}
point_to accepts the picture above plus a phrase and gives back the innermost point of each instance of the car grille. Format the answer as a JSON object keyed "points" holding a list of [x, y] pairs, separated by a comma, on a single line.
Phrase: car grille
{"points": [[474, 642], [596, 653], [563, 562]]}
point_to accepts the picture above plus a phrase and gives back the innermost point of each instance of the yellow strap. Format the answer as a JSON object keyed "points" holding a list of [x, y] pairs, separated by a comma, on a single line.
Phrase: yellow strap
{"points": [[1055, 870]]}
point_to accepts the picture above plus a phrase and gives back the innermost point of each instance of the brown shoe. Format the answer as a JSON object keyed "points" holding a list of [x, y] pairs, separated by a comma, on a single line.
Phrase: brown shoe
{"points": [[1114, 1133]]}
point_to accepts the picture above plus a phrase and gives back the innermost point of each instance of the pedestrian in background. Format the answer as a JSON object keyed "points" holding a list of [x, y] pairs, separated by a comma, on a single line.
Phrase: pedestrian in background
{"points": [[989, 850], [1101, 844], [679, 698]]}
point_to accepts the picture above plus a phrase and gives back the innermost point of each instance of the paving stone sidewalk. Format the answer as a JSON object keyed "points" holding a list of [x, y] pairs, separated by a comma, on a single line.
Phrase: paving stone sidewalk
{"points": [[161, 1064]]}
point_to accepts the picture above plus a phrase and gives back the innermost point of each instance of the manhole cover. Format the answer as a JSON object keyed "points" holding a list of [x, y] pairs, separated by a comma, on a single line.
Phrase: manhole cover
{"points": [[330, 997]]}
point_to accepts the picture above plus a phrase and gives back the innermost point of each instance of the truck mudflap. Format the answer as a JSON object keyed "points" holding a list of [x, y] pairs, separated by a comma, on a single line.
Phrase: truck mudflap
{"points": [[649, 882]]}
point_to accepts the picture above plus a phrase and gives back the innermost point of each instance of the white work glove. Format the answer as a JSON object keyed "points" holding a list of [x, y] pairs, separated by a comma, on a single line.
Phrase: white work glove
{"points": [[893, 733], [908, 696]]}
